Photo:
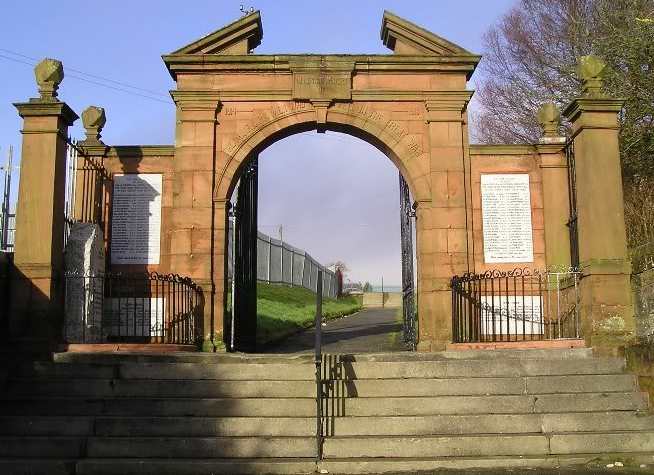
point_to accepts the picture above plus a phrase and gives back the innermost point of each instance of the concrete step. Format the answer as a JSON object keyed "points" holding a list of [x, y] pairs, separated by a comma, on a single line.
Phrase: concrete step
{"points": [[477, 368], [590, 464], [346, 388], [46, 425], [201, 447], [485, 354], [344, 370], [41, 447], [113, 466], [487, 445], [116, 426], [104, 388], [182, 371], [437, 446], [216, 407], [255, 466], [206, 426], [560, 464], [305, 407], [489, 424], [112, 358], [555, 403], [18, 466]]}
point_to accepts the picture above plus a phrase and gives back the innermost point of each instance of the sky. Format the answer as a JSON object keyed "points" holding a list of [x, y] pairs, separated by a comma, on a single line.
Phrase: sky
{"points": [[111, 53]]}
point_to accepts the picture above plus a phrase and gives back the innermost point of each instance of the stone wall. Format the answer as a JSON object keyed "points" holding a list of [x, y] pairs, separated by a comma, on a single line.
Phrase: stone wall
{"points": [[382, 299], [5, 269], [643, 288]]}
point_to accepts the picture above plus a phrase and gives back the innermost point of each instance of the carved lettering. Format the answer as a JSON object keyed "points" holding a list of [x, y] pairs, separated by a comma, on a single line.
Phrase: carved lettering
{"points": [[322, 85]]}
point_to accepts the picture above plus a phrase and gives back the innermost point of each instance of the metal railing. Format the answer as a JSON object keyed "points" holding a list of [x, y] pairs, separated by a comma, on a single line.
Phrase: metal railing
{"points": [[138, 308], [318, 363], [516, 305]]}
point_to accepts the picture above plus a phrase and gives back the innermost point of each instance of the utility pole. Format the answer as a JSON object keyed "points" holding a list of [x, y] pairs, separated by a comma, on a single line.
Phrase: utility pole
{"points": [[382, 291], [4, 210], [281, 252]]}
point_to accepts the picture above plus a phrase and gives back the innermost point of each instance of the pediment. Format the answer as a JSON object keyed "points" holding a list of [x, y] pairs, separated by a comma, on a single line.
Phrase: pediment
{"points": [[405, 37], [238, 38]]}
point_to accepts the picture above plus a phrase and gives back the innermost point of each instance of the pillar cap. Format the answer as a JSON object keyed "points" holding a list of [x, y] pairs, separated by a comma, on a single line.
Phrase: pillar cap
{"points": [[36, 108], [93, 119], [592, 104]]}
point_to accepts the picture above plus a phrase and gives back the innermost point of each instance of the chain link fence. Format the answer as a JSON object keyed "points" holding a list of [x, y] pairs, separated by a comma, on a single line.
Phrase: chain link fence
{"points": [[280, 263]]}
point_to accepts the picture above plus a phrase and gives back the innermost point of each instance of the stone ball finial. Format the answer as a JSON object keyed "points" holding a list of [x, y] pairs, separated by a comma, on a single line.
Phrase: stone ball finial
{"points": [[549, 117], [49, 73], [93, 119], [591, 70]]}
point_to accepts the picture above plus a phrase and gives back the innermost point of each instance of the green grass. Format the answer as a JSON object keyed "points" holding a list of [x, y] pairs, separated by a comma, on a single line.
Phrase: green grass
{"points": [[283, 310]]}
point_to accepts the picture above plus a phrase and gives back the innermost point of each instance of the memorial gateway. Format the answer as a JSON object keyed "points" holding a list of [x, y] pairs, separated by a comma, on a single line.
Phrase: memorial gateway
{"points": [[517, 247]]}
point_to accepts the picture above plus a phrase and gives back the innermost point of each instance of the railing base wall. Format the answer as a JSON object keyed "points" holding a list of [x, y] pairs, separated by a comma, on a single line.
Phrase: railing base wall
{"points": [[126, 348], [518, 345]]}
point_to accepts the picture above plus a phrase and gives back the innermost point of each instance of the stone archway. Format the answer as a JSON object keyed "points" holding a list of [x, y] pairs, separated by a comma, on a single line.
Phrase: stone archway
{"points": [[411, 105]]}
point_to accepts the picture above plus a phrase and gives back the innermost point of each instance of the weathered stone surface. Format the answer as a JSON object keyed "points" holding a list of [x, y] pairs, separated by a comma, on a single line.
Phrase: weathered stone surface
{"points": [[84, 263], [49, 73], [93, 119]]}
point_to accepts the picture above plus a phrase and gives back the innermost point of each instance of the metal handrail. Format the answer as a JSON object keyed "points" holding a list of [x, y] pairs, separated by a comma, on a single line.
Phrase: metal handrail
{"points": [[318, 363]]}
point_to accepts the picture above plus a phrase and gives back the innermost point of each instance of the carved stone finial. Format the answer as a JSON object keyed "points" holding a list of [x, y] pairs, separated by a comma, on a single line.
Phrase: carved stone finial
{"points": [[49, 73], [93, 119], [591, 70], [549, 118]]}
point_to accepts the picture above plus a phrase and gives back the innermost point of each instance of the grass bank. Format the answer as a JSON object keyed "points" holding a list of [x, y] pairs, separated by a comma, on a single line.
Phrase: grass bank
{"points": [[283, 310]]}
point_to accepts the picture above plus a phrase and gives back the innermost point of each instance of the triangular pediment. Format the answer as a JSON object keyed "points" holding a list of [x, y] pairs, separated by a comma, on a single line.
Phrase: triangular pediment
{"points": [[405, 37], [237, 38]]}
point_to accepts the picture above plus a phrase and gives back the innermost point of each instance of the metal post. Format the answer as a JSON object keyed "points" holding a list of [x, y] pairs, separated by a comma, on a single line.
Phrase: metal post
{"points": [[4, 212], [318, 362]]}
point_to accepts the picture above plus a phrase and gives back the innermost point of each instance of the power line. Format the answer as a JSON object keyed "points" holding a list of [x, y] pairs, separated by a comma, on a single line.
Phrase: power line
{"points": [[149, 91], [89, 80]]}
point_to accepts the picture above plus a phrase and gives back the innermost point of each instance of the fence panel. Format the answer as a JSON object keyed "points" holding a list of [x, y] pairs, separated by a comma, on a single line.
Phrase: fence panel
{"points": [[144, 308], [515, 306], [280, 263]]}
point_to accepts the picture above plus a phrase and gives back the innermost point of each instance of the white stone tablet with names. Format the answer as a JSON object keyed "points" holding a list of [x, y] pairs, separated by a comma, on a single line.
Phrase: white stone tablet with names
{"points": [[136, 219], [506, 218]]}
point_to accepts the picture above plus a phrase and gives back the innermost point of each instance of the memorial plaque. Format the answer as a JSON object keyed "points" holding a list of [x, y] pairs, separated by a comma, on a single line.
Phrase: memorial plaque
{"points": [[511, 315], [318, 85], [134, 316], [506, 217], [136, 219]]}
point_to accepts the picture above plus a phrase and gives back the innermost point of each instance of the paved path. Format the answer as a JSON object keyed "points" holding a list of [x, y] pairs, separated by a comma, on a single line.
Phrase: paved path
{"points": [[371, 330]]}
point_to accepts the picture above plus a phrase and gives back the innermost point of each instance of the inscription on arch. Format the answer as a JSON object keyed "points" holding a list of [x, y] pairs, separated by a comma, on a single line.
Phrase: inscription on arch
{"points": [[261, 118]]}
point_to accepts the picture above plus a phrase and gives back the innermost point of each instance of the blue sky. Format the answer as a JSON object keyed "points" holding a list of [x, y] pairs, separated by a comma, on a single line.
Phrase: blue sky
{"points": [[123, 41]]}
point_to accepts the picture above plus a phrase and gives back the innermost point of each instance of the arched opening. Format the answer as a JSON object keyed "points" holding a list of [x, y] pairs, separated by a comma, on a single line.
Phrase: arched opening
{"points": [[319, 200]]}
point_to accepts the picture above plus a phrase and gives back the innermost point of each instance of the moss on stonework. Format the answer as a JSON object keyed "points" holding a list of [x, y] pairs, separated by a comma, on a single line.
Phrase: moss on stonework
{"points": [[640, 361], [213, 346]]}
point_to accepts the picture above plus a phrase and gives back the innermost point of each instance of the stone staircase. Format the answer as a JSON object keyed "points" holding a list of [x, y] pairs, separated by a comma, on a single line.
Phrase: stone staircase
{"points": [[227, 414]]}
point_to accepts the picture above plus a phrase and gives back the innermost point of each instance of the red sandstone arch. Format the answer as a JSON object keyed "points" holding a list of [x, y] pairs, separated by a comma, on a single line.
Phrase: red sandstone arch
{"points": [[267, 133]]}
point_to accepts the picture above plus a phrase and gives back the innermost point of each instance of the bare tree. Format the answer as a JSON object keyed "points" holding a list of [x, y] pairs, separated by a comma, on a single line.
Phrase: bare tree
{"points": [[530, 57]]}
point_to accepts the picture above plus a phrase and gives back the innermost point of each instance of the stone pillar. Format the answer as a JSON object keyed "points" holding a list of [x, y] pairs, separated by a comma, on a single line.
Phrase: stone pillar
{"points": [[196, 242], [90, 181], [36, 307], [442, 223], [554, 173], [607, 310]]}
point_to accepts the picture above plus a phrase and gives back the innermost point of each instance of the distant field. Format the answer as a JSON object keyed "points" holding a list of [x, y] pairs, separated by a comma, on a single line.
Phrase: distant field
{"points": [[283, 310]]}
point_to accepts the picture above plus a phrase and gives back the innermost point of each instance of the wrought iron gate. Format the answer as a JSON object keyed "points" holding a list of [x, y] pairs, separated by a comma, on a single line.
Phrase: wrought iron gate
{"points": [[409, 322], [244, 304], [572, 198]]}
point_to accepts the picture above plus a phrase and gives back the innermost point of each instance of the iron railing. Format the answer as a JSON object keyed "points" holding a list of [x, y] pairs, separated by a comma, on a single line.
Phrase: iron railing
{"points": [[572, 203], [516, 305], [136, 308]]}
